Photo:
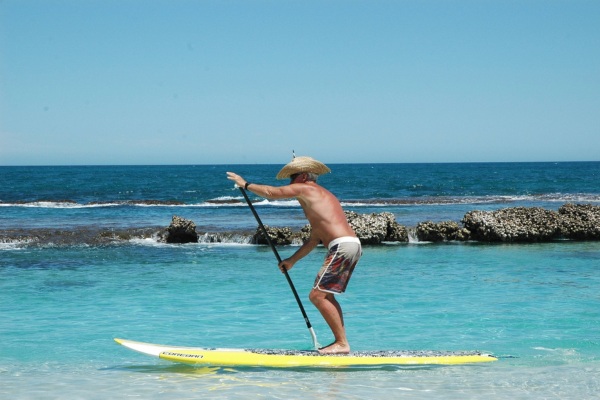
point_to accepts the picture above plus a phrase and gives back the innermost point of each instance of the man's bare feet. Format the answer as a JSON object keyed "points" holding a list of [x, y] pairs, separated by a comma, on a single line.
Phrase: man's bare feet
{"points": [[335, 348]]}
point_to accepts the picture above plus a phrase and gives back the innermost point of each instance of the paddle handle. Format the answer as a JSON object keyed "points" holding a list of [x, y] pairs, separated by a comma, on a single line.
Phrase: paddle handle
{"points": [[287, 276]]}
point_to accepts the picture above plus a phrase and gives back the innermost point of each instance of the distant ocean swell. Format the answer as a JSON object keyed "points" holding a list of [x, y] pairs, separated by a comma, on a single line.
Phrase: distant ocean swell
{"points": [[382, 202]]}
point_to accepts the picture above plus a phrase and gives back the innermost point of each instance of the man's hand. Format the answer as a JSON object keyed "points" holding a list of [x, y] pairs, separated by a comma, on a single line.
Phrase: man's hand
{"points": [[286, 265], [236, 178]]}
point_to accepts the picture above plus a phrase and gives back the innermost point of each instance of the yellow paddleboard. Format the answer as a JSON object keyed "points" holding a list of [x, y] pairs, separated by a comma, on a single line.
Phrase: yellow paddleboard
{"points": [[297, 358]]}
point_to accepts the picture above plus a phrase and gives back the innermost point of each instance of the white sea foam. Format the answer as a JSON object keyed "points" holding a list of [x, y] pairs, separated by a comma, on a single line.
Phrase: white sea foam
{"points": [[146, 242], [213, 239], [57, 204], [52, 204], [10, 246], [238, 201], [15, 244]]}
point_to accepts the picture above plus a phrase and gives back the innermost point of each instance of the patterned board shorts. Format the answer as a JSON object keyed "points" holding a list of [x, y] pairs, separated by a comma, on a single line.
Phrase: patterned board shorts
{"points": [[342, 257]]}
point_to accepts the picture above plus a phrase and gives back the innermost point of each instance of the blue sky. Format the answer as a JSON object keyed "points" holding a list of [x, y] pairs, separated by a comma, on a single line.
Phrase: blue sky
{"points": [[204, 82]]}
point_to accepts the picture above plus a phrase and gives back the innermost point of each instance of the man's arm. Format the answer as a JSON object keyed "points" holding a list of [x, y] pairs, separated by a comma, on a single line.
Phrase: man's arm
{"points": [[306, 248], [270, 192]]}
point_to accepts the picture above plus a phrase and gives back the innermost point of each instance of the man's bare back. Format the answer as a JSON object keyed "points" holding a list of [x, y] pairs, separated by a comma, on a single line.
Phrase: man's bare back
{"points": [[324, 212]]}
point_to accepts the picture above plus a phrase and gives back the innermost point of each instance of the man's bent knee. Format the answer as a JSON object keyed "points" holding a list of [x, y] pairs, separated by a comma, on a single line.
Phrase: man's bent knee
{"points": [[316, 296]]}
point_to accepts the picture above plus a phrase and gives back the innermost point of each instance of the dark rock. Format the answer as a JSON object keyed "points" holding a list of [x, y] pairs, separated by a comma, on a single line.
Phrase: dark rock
{"points": [[370, 228], [278, 236], [181, 230], [304, 234], [429, 231], [580, 221], [463, 235], [396, 232], [518, 224], [376, 228]]}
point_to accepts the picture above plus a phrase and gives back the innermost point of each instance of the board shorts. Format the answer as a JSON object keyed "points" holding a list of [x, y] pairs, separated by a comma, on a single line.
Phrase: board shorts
{"points": [[341, 258]]}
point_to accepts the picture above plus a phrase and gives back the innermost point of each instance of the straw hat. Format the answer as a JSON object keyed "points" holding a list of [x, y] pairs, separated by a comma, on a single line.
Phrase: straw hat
{"points": [[302, 164]]}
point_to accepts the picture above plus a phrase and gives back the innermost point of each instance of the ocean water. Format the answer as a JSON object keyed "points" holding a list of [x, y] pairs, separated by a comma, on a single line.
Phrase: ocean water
{"points": [[80, 264]]}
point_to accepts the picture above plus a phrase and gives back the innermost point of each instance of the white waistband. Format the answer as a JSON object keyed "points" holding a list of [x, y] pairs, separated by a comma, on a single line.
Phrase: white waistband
{"points": [[343, 239]]}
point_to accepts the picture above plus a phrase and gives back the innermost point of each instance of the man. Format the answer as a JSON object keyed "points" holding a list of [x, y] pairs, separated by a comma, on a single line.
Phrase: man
{"points": [[330, 227]]}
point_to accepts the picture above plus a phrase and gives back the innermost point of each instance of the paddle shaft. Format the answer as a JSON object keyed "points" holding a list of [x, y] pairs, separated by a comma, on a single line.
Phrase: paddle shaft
{"points": [[287, 276]]}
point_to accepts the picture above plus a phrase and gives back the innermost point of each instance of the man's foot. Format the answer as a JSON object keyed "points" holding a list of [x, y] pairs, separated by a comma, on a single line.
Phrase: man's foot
{"points": [[335, 348]]}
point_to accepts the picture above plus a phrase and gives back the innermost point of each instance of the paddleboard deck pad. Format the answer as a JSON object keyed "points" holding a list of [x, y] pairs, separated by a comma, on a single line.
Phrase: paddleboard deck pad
{"points": [[301, 358]]}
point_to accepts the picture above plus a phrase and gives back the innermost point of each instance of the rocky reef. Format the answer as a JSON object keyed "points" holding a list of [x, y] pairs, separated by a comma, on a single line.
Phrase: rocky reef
{"points": [[181, 230], [509, 225], [534, 224], [377, 228], [370, 229], [580, 221], [429, 231], [518, 224]]}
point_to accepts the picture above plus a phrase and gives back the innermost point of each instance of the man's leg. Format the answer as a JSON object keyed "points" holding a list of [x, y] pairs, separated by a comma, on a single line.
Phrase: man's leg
{"points": [[332, 313]]}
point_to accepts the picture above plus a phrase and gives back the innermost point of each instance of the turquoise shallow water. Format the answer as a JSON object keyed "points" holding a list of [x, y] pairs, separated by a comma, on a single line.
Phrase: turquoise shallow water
{"points": [[533, 305]]}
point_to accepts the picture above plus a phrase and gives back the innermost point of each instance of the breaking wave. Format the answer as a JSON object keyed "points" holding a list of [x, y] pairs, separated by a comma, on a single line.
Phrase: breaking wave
{"points": [[233, 201]]}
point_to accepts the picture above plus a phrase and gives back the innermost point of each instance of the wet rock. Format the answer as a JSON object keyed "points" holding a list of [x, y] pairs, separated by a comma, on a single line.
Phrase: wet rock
{"points": [[181, 230], [580, 221], [369, 228], [303, 235], [225, 237], [376, 228], [429, 231], [90, 235], [278, 236], [518, 224], [462, 235], [396, 232]]}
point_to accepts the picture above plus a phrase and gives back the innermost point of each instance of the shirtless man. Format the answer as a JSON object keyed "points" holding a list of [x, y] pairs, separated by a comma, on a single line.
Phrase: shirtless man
{"points": [[330, 227]]}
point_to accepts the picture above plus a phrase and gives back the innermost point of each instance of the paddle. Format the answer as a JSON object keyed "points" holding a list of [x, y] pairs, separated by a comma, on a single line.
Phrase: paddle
{"points": [[287, 276]]}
